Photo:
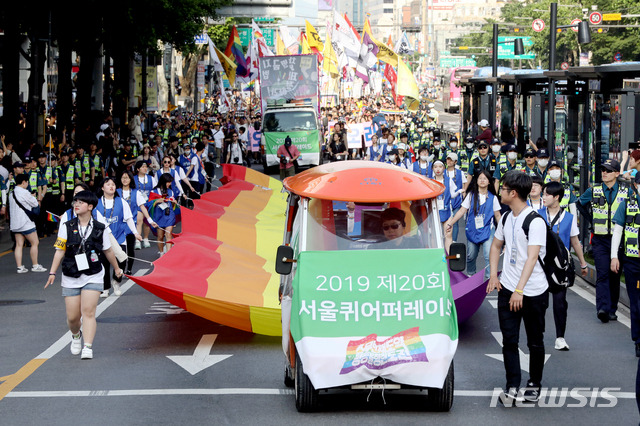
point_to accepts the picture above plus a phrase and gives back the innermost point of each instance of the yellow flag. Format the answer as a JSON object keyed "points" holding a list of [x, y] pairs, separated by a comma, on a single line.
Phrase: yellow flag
{"points": [[228, 65], [305, 45], [330, 63], [407, 86], [171, 107], [313, 38], [386, 54], [280, 49], [366, 29]]}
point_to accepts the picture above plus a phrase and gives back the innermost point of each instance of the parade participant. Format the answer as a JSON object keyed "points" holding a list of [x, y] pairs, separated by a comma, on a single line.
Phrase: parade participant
{"points": [[97, 165], [147, 157], [135, 199], [627, 225], [481, 206], [173, 149], [393, 226], [530, 160], [422, 164], [387, 146], [634, 165], [120, 219], [196, 173], [565, 225], [485, 132], [554, 174], [337, 149], [77, 248], [82, 165], [392, 158], [23, 207], [167, 167], [404, 139], [235, 154], [404, 160], [605, 199], [505, 163], [522, 286], [535, 196], [288, 155], [450, 189], [460, 179], [543, 162], [184, 160], [374, 152], [484, 161], [164, 214], [144, 184]]}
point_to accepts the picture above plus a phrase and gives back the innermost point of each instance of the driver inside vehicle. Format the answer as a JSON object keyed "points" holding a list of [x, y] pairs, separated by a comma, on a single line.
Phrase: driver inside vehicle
{"points": [[393, 224]]}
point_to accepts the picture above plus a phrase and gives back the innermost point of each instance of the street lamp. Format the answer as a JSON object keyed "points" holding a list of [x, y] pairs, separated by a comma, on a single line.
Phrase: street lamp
{"points": [[518, 49], [584, 37]]}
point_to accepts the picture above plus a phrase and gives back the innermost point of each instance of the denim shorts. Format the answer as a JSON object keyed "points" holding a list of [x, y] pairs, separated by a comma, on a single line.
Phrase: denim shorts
{"points": [[66, 291], [28, 231]]}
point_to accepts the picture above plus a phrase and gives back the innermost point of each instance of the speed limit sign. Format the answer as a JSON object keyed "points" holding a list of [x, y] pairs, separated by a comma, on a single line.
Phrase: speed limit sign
{"points": [[537, 25], [595, 18]]}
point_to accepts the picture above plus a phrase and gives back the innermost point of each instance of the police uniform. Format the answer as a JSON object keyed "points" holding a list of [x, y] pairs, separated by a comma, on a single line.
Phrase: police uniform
{"points": [[489, 163], [604, 203]]}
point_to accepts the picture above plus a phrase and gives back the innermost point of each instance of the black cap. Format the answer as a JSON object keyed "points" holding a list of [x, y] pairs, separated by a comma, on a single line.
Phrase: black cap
{"points": [[483, 143], [469, 139], [612, 165], [436, 138], [42, 154], [511, 147], [530, 153], [453, 139], [18, 164], [554, 163], [495, 141], [28, 159], [287, 140], [543, 153]]}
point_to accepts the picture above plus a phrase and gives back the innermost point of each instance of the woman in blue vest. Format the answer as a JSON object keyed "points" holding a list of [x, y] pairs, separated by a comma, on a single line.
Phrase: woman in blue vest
{"points": [[482, 205], [422, 164], [118, 215], [144, 183], [135, 199], [374, 152], [163, 210], [450, 190], [166, 167], [564, 224], [404, 159], [460, 179]]}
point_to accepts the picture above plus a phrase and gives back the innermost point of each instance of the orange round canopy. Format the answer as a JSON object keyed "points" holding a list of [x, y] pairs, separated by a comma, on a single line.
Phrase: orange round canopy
{"points": [[362, 181]]}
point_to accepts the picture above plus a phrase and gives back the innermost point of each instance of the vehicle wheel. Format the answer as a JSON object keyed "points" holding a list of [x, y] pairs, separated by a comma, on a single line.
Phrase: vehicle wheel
{"points": [[289, 379], [306, 394], [442, 399]]}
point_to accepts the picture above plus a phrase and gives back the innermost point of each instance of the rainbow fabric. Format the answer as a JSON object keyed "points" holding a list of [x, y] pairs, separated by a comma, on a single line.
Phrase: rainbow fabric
{"points": [[52, 218], [368, 352], [222, 265], [234, 47]]}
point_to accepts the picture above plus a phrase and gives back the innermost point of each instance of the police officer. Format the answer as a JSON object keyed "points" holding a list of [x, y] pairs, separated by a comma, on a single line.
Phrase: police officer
{"points": [[68, 172], [543, 163], [454, 147], [82, 165], [530, 162], [505, 163], [605, 199], [484, 160], [470, 152], [627, 227], [554, 174]]}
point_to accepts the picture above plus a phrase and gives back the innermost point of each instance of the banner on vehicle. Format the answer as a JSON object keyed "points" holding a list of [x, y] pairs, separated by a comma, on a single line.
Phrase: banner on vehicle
{"points": [[289, 78], [306, 142], [357, 315]]}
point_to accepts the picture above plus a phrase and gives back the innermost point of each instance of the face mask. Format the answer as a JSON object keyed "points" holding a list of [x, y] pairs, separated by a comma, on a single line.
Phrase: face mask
{"points": [[470, 146], [424, 157], [512, 155], [569, 156], [543, 163], [436, 146], [392, 157], [555, 174], [453, 145], [495, 148]]}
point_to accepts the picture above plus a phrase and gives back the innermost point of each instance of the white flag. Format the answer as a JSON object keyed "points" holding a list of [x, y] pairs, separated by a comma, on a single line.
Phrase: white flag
{"points": [[342, 34]]}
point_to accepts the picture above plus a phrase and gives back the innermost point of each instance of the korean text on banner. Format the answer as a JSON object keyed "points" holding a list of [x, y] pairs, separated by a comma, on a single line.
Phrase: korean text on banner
{"points": [[289, 77]]}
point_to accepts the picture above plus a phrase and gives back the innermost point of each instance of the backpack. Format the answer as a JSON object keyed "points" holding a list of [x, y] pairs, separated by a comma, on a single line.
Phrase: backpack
{"points": [[557, 264]]}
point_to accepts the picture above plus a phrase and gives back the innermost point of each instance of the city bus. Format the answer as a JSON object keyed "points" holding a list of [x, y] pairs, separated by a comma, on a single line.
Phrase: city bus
{"points": [[450, 88]]}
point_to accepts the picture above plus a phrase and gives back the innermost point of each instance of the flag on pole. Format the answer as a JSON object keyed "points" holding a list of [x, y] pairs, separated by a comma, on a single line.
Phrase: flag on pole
{"points": [[407, 86], [312, 37], [353, 29], [343, 36], [261, 43], [290, 39], [280, 49], [306, 49], [392, 77], [403, 47], [367, 58], [330, 63], [234, 49], [228, 65], [52, 217]]}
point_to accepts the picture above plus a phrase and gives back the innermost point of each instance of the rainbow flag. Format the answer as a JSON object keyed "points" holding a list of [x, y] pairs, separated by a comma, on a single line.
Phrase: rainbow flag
{"points": [[52, 217], [234, 47]]}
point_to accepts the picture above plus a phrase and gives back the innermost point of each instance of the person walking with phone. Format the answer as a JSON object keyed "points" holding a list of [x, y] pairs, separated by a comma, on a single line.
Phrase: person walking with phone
{"points": [[23, 209]]}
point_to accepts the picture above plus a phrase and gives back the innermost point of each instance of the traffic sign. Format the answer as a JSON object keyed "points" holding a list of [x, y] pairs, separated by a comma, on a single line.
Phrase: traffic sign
{"points": [[575, 22], [537, 25], [617, 57], [564, 66], [612, 17], [595, 18]]}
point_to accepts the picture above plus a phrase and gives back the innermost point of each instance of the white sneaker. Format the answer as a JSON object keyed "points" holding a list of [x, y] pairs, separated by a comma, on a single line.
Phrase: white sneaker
{"points": [[116, 287], [38, 268], [104, 294], [87, 353], [146, 243], [138, 246], [160, 253], [76, 344], [22, 270], [561, 344]]}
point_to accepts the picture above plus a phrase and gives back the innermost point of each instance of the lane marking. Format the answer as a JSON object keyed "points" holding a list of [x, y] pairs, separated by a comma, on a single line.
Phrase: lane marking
{"points": [[240, 391], [13, 380], [622, 318], [4, 253]]}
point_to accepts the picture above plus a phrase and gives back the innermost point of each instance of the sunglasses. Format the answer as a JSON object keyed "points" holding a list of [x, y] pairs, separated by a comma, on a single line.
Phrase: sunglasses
{"points": [[393, 226], [166, 162]]}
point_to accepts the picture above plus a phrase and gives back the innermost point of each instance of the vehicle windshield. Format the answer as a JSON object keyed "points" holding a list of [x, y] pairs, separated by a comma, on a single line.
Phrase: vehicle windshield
{"points": [[336, 225], [289, 121]]}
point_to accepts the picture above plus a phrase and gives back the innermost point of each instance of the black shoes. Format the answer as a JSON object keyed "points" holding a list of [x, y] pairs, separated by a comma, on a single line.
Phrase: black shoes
{"points": [[531, 393], [638, 350], [613, 317], [603, 316]]}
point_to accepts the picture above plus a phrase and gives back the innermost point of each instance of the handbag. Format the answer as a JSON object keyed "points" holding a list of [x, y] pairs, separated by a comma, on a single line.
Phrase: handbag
{"points": [[32, 214]]}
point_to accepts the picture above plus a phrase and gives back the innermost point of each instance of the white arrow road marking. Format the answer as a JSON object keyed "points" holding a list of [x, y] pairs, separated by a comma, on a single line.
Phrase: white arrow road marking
{"points": [[201, 358], [524, 358]]}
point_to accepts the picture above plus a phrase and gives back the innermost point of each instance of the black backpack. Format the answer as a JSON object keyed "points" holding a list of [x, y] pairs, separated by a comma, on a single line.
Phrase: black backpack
{"points": [[557, 263]]}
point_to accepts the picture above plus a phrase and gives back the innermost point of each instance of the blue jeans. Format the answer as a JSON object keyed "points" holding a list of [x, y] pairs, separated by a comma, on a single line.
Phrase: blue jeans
{"points": [[473, 250], [454, 228]]}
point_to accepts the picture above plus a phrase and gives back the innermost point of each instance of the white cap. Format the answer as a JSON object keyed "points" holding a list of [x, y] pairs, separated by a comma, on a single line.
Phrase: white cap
{"points": [[432, 105], [483, 123], [402, 146], [104, 126], [432, 114], [453, 156]]}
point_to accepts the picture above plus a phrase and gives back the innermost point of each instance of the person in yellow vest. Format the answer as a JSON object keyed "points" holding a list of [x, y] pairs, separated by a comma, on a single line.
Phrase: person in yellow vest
{"points": [[82, 164], [605, 198], [68, 172], [555, 174]]}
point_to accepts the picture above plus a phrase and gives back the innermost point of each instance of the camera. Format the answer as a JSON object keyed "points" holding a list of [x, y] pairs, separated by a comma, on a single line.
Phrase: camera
{"points": [[236, 159]]}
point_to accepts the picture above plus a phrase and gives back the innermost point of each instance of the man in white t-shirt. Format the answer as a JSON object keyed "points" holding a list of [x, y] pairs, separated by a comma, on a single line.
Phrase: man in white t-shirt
{"points": [[218, 138], [522, 287]]}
